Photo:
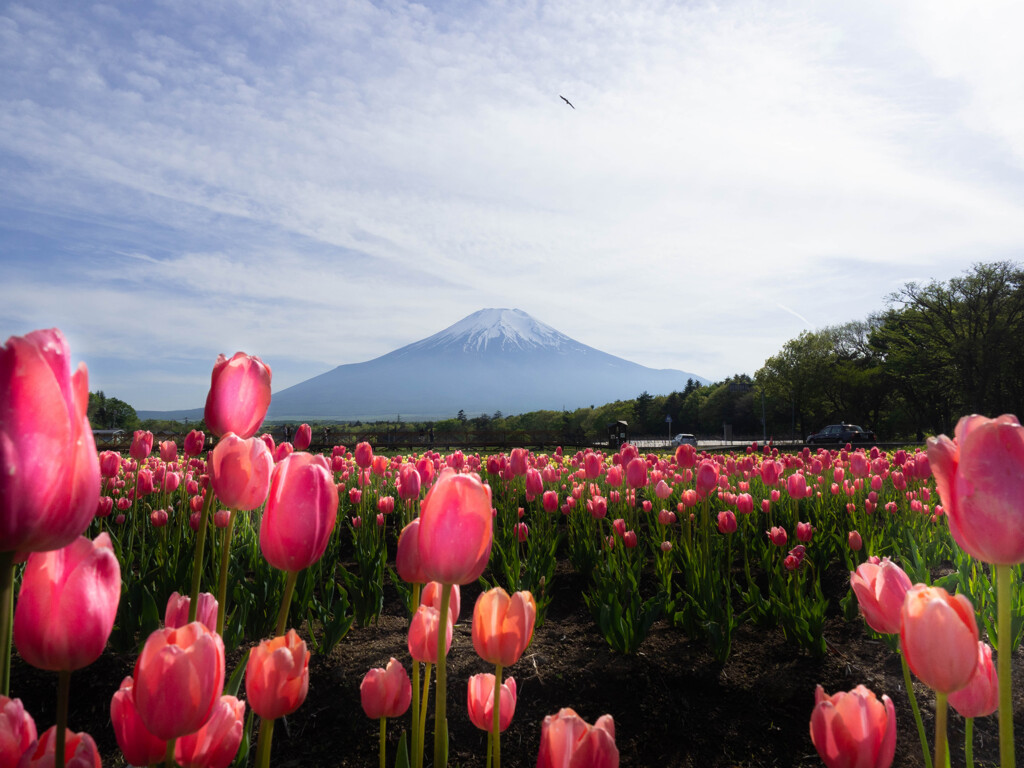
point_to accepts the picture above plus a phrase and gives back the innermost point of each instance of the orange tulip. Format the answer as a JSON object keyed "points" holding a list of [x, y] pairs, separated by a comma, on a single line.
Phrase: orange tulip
{"points": [[216, 743], [939, 637], [880, 588], [568, 741], [503, 625], [277, 676], [480, 701], [853, 730]]}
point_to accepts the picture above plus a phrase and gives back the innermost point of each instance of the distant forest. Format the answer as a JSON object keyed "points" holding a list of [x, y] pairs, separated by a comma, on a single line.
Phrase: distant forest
{"points": [[938, 351]]}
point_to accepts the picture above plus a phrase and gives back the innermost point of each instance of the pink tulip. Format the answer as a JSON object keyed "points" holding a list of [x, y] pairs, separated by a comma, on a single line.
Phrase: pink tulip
{"points": [[277, 676], [300, 514], [143, 483], [771, 471], [804, 532], [534, 483], [168, 451], [431, 596], [386, 692], [455, 529], [179, 677], [592, 466], [796, 486], [67, 604], [854, 730], [777, 536], [142, 444], [980, 479], [423, 635], [139, 746], [980, 697], [176, 614], [854, 541], [79, 751], [519, 461], [216, 743], [939, 637], [283, 451], [110, 463], [707, 478], [239, 395], [363, 455], [686, 456], [194, 442], [726, 521], [880, 589], [51, 477], [567, 741], [480, 701], [636, 473], [240, 472], [614, 476], [303, 437], [408, 483], [17, 731], [407, 556]]}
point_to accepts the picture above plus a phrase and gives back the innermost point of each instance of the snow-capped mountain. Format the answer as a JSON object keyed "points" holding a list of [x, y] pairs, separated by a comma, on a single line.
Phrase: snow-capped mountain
{"points": [[494, 359]]}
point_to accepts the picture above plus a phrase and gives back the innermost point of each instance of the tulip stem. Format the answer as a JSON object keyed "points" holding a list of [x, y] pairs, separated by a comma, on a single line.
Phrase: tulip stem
{"points": [[440, 713], [909, 684], [6, 619], [286, 600], [496, 721], [222, 585], [941, 710], [383, 740], [197, 566], [63, 695], [1004, 577], [169, 754], [263, 745], [423, 714], [415, 708], [969, 743]]}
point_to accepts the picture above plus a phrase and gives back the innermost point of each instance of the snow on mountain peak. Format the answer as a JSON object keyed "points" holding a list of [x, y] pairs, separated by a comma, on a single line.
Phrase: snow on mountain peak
{"points": [[501, 328]]}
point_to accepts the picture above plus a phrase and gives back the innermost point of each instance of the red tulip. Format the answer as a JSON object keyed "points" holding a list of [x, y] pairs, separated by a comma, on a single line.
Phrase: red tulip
{"points": [[503, 625], [142, 444], [455, 529], [567, 741], [67, 604], [480, 701], [194, 442], [880, 588], [854, 730], [939, 637], [277, 676], [240, 471], [423, 635], [239, 395], [727, 522], [51, 477], [176, 614], [216, 743], [303, 437], [179, 677], [300, 513], [79, 751], [980, 479], [980, 697], [686, 456], [17, 731], [386, 692], [139, 746]]}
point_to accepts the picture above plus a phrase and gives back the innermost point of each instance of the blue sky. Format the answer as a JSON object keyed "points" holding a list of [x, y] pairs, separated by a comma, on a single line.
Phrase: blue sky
{"points": [[320, 183]]}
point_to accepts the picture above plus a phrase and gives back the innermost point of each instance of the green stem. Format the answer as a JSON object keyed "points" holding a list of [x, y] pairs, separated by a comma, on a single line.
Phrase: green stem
{"points": [[169, 754], [63, 694], [415, 710], [197, 566], [440, 714], [383, 742], [969, 743], [941, 710], [263, 746], [496, 721], [1004, 576], [909, 685], [6, 619], [423, 713], [222, 585], [286, 600]]}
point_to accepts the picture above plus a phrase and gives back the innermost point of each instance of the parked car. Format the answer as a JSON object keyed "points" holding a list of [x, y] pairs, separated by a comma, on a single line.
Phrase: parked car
{"points": [[684, 438], [842, 433]]}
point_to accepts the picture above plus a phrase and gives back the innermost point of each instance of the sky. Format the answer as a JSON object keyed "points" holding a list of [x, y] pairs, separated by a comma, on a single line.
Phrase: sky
{"points": [[319, 183]]}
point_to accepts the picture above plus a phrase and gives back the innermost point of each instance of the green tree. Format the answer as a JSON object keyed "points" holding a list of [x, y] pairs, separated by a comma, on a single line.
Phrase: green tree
{"points": [[110, 413]]}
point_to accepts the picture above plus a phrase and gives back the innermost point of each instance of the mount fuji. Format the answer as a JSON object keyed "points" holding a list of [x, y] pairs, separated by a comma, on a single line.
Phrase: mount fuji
{"points": [[494, 359]]}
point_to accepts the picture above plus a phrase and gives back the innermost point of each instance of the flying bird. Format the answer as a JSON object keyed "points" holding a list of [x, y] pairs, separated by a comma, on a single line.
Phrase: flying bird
{"points": [[565, 100]]}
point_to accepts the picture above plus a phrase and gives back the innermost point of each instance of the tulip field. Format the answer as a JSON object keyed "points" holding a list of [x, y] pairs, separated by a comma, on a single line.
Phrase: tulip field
{"points": [[220, 599]]}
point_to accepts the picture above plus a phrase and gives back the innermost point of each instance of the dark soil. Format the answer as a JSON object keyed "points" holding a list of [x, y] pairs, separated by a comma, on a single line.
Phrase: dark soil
{"points": [[672, 704]]}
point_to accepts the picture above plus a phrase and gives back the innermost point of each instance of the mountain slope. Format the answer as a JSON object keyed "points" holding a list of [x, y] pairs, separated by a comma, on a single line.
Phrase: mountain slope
{"points": [[494, 359]]}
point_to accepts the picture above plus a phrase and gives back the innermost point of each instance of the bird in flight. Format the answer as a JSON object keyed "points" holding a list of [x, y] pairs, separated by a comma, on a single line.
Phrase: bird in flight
{"points": [[565, 100]]}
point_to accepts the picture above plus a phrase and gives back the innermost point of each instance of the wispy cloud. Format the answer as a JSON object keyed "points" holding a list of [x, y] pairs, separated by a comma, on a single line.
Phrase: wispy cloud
{"points": [[324, 183]]}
